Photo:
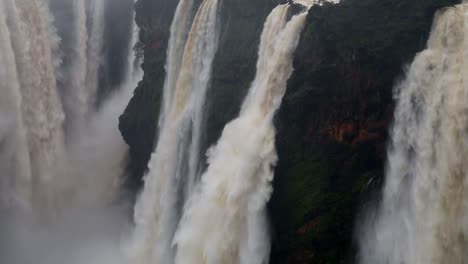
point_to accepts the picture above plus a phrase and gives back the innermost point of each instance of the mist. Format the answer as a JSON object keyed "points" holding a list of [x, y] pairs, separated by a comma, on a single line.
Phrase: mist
{"points": [[75, 211]]}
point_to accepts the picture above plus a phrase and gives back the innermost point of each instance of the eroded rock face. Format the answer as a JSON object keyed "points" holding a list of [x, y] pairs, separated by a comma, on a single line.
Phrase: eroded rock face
{"points": [[332, 126], [138, 122]]}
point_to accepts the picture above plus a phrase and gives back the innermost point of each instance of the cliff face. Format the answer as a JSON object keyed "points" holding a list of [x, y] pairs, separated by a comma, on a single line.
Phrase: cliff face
{"points": [[138, 122], [332, 126], [333, 123]]}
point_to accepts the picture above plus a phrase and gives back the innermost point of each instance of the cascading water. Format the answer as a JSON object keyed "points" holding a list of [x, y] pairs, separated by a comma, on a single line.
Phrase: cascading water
{"points": [[57, 200], [42, 112], [94, 50], [15, 165], [174, 162], [225, 220], [74, 174], [179, 33], [29, 27], [133, 71], [77, 100], [423, 214]]}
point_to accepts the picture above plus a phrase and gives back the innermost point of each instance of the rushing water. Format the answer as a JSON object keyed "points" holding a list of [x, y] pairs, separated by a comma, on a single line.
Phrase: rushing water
{"points": [[78, 96], [62, 157], [225, 221], [13, 138], [223, 215], [43, 169], [33, 42], [59, 187], [423, 215], [176, 157]]}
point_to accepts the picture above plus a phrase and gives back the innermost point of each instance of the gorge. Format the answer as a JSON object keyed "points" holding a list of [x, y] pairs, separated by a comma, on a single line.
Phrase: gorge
{"points": [[232, 131]]}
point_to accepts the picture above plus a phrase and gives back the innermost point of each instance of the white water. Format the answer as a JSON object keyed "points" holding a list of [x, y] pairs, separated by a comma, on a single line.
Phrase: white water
{"points": [[44, 173], [94, 50], [179, 33], [195, 74], [423, 215], [80, 180], [225, 221], [42, 112], [158, 208], [78, 95], [133, 69], [309, 3], [13, 139], [60, 202]]}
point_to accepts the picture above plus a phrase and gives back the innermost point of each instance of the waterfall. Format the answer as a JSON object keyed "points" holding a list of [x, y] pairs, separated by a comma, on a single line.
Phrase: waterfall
{"points": [[195, 74], [78, 99], [15, 163], [62, 157], [60, 188], [423, 214], [29, 24], [225, 221], [45, 171], [94, 51], [179, 33], [222, 218], [133, 69], [174, 162], [103, 183]]}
